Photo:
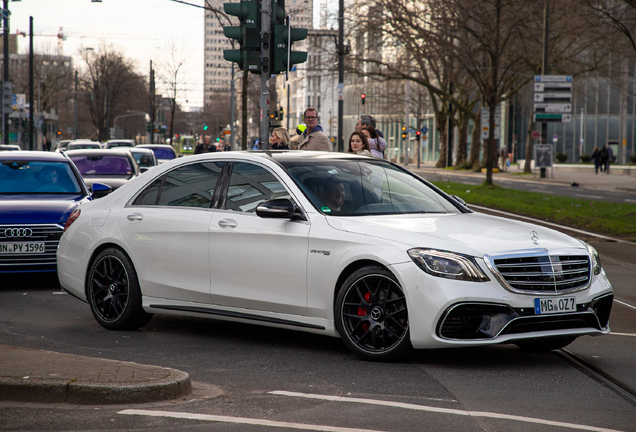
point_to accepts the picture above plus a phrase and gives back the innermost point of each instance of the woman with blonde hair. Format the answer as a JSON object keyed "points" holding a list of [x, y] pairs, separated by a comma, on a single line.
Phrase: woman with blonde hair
{"points": [[280, 139]]}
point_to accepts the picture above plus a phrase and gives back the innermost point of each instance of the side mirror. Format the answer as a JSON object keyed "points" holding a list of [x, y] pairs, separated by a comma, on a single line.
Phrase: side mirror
{"points": [[281, 208], [99, 190]]}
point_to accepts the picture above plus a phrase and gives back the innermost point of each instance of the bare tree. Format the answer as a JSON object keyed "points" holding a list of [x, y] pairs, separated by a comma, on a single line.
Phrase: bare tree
{"points": [[171, 73], [111, 87]]}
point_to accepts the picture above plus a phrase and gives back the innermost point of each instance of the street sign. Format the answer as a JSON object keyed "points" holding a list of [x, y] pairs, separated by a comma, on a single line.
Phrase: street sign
{"points": [[553, 78], [550, 117], [553, 107], [553, 98], [5, 13], [535, 134], [485, 122]]}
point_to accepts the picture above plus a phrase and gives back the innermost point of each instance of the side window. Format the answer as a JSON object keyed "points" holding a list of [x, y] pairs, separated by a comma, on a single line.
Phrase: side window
{"points": [[250, 185], [149, 195], [191, 185]]}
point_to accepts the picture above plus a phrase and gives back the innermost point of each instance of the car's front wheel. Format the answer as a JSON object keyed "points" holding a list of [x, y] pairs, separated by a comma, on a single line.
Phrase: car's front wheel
{"points": [[113, 292], [371, 315]]}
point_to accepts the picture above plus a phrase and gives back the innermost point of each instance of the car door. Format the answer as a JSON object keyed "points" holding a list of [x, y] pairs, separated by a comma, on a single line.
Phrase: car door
{"points": [[257, 263], [166, 228]]}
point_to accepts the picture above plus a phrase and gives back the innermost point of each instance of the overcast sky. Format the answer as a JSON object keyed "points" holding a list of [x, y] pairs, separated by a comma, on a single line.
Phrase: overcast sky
{"points": [[138, 28]]}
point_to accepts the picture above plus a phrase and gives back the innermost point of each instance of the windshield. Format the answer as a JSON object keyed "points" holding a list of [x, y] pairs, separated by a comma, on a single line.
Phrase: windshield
{"points": [[354, 188], [103, 165], [35, 177], [143, 159]]}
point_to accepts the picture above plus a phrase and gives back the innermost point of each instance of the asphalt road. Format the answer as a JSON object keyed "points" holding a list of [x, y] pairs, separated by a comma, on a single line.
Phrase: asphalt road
{"points": [[246, 376]]}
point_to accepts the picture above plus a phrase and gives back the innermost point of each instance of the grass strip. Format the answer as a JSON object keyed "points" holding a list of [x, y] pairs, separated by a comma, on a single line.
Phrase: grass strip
{"points": [[612, 219]]}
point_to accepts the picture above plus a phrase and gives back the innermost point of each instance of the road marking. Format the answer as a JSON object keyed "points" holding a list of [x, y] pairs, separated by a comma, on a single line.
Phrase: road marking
{"points": [[242, 420], [630, 200], [588, 196], [445, 410], [625, 304], [623, 334]]}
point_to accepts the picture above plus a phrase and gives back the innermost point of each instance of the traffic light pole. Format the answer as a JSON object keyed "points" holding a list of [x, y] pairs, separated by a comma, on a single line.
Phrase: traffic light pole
{"points": [[266, 24], [341, 53], [5, 64]]}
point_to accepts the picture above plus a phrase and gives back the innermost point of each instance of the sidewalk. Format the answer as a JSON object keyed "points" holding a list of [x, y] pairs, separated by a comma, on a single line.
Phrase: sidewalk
{"points": [[29, 375], [621, 178]]}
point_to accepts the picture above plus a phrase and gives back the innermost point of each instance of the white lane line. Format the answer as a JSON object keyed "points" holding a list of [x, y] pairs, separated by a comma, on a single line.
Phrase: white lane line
{"points": [[625, 304], [241, 420], [623, 334], [629, 200], [445, 410]]}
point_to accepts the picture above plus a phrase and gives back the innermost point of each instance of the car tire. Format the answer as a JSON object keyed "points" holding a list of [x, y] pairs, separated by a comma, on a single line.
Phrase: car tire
{"points": [[113, 292], [545, 345], [371, 315]]}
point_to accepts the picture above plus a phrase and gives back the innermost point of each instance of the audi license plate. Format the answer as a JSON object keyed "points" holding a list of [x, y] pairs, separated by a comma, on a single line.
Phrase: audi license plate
{"points": [[21, 248], [554, 305]]}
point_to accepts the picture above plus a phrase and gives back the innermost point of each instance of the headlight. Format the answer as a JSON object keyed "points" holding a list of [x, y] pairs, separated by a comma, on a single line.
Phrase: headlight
{"points": [[596, 260], [448, 265]]}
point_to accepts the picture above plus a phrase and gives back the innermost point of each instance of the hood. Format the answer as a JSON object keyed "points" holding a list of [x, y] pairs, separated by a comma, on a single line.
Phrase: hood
{"points": [[468, 233], [38, 209]]}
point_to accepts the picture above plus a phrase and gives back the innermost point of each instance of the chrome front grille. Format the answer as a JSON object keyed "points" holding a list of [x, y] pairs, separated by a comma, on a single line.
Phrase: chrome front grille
{"points": [[47, 261], [543, 273]]}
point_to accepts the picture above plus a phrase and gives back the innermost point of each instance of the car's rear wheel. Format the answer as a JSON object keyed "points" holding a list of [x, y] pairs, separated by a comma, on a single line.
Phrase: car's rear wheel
{"points": [[545, 345], [113, 292], [372, 316]]}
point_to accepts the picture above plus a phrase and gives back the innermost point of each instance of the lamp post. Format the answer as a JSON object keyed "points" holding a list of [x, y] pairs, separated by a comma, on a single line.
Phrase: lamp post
{"points": [[130, 114]]}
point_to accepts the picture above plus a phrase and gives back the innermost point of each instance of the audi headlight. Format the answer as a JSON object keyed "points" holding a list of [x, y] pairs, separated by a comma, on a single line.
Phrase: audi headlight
{"points": [[596, 260], [448, 265]]}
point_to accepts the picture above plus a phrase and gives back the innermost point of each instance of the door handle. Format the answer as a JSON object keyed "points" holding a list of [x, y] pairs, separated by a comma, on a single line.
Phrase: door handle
{"points": [[135, 217], [227, 223]]}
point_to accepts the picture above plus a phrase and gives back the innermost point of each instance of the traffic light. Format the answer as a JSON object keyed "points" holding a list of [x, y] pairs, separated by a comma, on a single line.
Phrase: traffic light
{"points": [[363, 97], [281, 113], [284, 35], [248, 56], [205, 127], [403, 132], [7, 97], [59, 133], [418, 135]]}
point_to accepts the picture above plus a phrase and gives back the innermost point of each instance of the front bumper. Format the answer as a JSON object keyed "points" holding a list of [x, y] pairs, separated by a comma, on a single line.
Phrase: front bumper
{"points": [[448, 313]]}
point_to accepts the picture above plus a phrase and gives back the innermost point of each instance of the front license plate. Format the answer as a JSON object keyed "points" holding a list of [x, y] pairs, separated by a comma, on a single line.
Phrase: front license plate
{"points": [[21, 248], [554, 305]]}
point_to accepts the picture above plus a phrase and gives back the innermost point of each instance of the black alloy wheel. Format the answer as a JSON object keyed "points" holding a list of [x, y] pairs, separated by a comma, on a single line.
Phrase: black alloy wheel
{"points": [[372, 316], [113, 292]]}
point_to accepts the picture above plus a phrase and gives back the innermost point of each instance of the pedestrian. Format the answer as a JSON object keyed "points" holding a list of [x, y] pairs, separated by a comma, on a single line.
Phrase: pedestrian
{"points": [[46, 144], [358, 144], [314, 138], [504, 158], [280, 139], [377, 145], [596, 157], [368, 121], [206, 146], [602, 157], [609, 159]]}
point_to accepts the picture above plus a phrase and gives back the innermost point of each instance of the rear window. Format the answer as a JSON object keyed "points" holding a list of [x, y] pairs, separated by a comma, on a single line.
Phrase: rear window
{"points": [[103, 165], [37, 177], [163, 153]]}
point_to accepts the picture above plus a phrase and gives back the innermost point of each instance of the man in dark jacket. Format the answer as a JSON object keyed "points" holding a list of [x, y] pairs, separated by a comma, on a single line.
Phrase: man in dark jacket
{"points": [[206, 146]]}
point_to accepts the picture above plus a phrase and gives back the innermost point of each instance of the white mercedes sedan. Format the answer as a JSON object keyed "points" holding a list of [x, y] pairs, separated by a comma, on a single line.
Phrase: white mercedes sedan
{"points": [[335, 244]]}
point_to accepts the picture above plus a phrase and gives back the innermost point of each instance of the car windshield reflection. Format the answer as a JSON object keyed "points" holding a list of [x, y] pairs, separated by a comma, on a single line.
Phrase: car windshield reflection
{"points": [[356, 188], [103, 165], [36, 177]]}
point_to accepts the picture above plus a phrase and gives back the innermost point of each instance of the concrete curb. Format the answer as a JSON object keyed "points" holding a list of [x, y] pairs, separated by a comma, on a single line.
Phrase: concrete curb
{"points": [[28, 375]]}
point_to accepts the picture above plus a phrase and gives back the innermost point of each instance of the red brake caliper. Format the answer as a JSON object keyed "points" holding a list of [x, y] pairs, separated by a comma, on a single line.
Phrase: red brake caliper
{"points": [[362, 311]]}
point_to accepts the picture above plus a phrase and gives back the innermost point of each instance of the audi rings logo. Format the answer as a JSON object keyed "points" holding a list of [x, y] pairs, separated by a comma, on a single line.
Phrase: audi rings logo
{"points": [[18, 232]]}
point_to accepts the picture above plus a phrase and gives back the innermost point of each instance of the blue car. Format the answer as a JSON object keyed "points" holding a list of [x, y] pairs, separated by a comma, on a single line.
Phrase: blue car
{"points": [[38, 193]]}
